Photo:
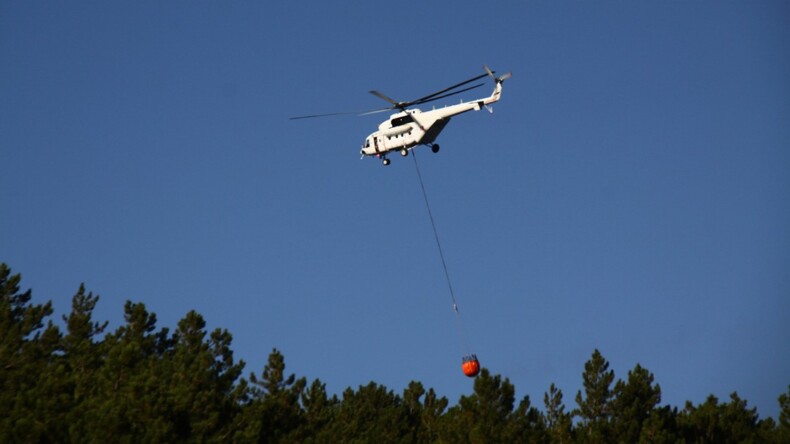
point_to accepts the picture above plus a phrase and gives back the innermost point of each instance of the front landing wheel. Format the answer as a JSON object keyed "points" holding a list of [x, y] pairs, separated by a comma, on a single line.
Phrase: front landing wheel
{"points": [[435, 148]]}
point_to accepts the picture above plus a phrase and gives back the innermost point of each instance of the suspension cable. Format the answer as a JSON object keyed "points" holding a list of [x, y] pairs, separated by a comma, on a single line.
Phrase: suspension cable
{"points": [[441, 255]]}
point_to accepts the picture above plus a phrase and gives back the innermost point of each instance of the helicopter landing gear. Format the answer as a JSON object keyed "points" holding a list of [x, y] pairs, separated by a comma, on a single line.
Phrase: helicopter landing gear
{"points": [[404, 152], [385, 161], [435, 148]]}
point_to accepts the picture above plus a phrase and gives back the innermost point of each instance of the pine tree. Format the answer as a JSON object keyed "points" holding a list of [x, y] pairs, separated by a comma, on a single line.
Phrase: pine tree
{"points": [[319, 411], [660, 427], [433, 408], [372, 413], [525, 424], [595, 407], [783, 429], [424, 411], [714, 422], [634, 402], [130, 403], [481, 417], [274, 413], [31, 372], [558, 422], [201, 380], [84, 355]]}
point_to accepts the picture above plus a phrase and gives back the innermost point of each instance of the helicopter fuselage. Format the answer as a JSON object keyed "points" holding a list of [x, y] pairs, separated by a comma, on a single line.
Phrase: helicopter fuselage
{"points": [[412, 127]]}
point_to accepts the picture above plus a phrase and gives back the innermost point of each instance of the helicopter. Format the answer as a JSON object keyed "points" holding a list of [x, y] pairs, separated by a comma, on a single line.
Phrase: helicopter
{"points": [[411, 127]]}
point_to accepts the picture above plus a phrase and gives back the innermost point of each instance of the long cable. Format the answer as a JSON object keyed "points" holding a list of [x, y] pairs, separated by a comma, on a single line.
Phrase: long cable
{"points": [[441, 254]]}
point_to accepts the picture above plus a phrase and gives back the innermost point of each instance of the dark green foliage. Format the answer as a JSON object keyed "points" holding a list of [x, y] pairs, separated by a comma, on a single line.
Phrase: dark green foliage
{"points": [[83, 357], [143, 384], [371, 414], [130, 402], [274, 413], [660, 427], [319, 411], [634, 401], [483, 415], [488, 416], [595, 407], [558, 422], [729, 422], [784, 417], [32, 398], [424, 412]]}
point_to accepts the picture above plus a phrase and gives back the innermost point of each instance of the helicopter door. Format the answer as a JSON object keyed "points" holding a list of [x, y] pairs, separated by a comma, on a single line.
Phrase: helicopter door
{"points": [[376, 143]]}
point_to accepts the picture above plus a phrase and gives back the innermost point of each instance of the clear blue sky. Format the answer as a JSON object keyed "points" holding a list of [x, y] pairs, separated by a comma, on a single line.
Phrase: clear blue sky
{"points": [[629, 193]]}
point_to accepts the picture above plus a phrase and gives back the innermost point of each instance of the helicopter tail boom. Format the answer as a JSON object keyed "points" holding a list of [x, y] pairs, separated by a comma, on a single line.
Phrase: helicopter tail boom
{"points": [[427, 119]]}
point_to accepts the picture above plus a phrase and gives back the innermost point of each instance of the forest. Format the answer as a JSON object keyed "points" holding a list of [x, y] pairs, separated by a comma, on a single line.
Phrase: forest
{"points": [[74, 381]]}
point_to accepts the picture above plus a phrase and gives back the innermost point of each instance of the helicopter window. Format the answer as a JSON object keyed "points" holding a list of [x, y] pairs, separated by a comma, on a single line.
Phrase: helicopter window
{"points": [[398, 121]]}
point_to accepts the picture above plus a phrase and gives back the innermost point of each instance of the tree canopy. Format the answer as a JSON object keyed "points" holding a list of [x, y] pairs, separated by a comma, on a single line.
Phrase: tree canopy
{"points": [[141, 383]]}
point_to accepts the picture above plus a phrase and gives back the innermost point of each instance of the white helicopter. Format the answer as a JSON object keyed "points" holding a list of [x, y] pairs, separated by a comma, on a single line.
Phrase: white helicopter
{"points": [[412, 127]]}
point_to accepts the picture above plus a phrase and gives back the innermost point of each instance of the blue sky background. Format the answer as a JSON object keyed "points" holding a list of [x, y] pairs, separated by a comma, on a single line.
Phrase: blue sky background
{"points": [[629, 193]]}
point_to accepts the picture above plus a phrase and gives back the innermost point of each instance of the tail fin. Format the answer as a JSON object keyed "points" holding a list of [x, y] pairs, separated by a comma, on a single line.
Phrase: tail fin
{"points": [[495, 96]]}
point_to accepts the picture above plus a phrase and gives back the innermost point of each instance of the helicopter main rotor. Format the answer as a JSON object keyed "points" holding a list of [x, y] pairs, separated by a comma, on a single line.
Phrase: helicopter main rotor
{"points": [[441, 94]]}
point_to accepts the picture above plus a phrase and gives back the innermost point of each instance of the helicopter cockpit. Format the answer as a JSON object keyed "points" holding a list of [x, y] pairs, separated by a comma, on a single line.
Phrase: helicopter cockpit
{"points": [[366, 150]]}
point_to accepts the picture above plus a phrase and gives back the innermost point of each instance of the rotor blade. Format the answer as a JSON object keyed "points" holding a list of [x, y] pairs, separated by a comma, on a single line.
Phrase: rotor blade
{"points": [[320, 115], [446, 95], [351, 113], [489, 72], [385, 98], [375, 111], [431, 96], [504, 76], [402, 105]]}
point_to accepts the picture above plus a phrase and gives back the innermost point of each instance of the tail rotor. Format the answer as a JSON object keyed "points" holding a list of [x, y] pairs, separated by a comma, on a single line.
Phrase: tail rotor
{"points": [[499, 79]]}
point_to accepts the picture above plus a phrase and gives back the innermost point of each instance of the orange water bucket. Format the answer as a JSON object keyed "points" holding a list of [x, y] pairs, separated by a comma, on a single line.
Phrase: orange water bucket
{"points": [[470, 365]]}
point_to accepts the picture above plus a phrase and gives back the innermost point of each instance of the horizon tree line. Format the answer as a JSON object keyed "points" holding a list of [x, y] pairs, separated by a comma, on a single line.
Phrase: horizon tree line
{"points": [[142, 383]]}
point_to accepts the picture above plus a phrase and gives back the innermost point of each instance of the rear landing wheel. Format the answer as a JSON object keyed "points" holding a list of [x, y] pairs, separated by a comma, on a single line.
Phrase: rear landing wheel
{"points": [[404, 152], [435, 147]]}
